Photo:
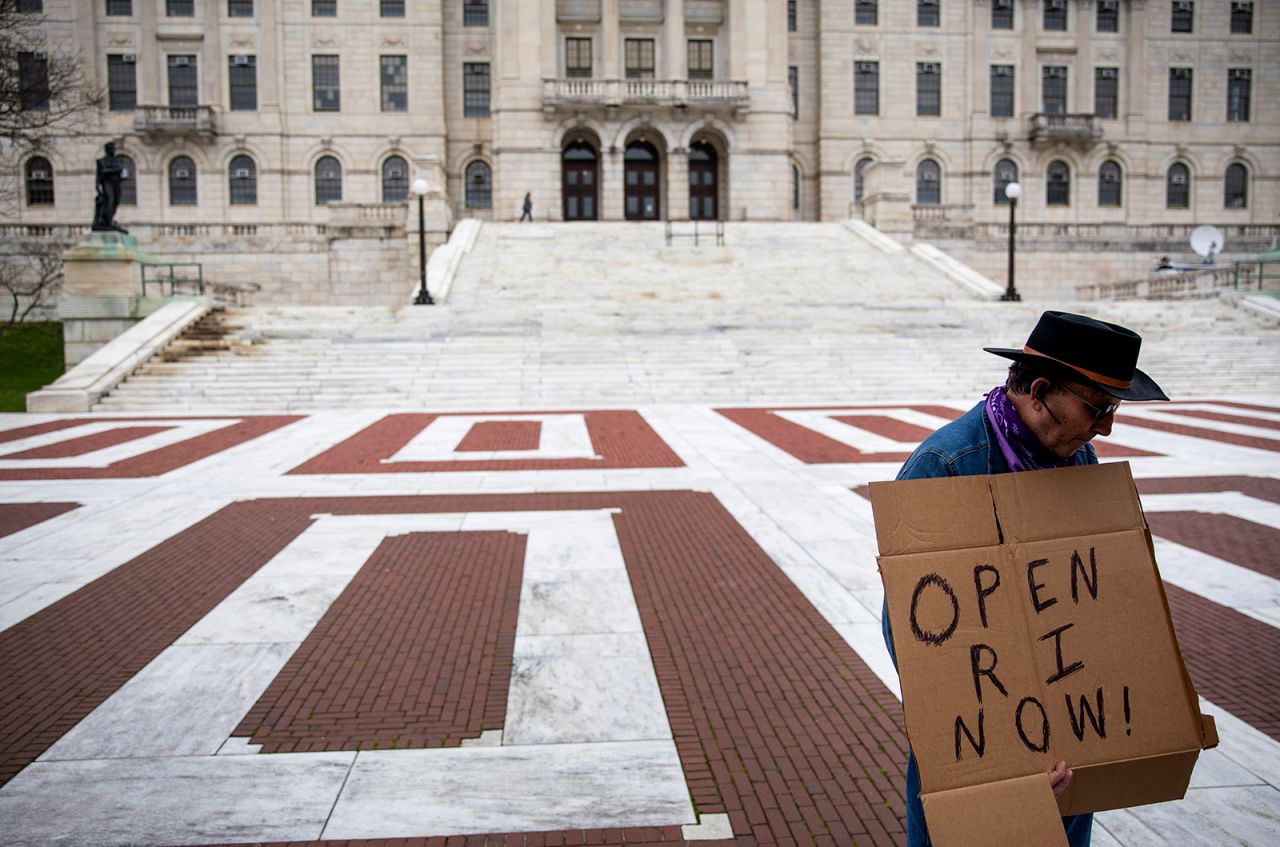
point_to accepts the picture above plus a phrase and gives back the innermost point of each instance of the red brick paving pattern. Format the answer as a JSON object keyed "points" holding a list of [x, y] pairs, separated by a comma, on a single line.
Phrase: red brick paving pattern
{"points": [[1254, 441], [1242, 542], [621, 438], [154, 462], [18, 516], [502, 435], [416, 652], [1232, 658], [88, 443], [814, 448], [1263, 423], [665, 836], [1264, 488], [777, 722], [888, 427]]}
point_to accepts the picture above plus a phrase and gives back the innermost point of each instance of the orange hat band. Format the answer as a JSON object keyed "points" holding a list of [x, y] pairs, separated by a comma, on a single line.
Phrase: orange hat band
{"points": [[1101, 379]]}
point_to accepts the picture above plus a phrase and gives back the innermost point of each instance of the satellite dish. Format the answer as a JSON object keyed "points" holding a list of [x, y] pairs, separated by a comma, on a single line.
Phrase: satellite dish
{"points": [[1207, 242]]}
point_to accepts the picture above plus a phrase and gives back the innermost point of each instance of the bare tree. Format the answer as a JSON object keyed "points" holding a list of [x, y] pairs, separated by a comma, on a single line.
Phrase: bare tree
{"points": [[42, 86], [31, 280]]}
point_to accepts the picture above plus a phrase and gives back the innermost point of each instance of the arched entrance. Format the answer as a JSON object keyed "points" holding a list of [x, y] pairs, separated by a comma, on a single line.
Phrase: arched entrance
{"points": [[704, 183], [580, 178], [641, 185]]}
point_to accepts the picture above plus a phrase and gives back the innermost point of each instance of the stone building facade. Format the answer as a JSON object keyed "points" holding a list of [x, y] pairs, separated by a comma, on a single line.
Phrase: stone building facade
{"points": [[275, 135]]}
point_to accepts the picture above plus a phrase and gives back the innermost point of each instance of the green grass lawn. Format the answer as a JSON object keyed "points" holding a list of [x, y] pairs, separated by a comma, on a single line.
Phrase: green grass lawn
{"points": [[30, 358]]}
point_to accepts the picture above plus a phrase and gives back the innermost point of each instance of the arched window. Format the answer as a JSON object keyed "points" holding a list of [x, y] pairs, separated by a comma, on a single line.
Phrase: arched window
{"points": [[479, 186], [182, 182], [857, 178], [128, 182], [1177, 187], [1109, 184], [1058, 188], [1006, 171], [244, 181], [39, 182], [395, 180], [928, 183], [328, 180], [1236, 187]]}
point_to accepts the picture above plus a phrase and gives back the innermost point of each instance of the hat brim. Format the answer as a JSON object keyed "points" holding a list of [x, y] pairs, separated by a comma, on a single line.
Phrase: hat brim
{"points": [[1142, 388]]}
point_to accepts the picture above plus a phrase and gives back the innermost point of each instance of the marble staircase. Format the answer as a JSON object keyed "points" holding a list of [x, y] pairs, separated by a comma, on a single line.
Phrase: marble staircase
{"points": [[594, 315]]}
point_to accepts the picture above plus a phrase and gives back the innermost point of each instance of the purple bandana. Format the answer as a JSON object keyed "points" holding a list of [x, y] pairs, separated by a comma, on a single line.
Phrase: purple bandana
{"points": [[1021, 449]]}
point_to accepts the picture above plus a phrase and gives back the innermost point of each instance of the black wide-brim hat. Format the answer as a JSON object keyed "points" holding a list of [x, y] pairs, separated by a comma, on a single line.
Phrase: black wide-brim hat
{"points": [[1103, 355]]}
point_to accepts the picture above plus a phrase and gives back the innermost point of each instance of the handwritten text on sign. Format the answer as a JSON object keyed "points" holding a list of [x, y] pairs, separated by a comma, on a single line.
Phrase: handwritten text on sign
{"points": [[1085, 712]]}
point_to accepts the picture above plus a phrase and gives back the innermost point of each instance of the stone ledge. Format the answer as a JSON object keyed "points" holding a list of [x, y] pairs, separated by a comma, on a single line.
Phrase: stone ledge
{"points": [[86, 383]]}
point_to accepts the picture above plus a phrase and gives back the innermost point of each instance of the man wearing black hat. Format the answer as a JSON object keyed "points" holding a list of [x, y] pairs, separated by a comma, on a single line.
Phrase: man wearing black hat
{"points": [[1063, 389]]}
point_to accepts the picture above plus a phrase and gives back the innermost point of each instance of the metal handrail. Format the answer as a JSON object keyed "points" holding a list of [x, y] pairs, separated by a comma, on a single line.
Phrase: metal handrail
{"points": [[172, 279], [670, 233]]}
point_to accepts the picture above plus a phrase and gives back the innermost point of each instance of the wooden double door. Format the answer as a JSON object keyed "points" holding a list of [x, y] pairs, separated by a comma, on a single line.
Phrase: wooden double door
{"points": [[580, 182], [641, 195]]}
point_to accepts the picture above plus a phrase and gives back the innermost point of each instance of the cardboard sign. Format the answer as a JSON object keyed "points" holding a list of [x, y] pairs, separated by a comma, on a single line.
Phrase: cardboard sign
{"points": [[1031, 627]]}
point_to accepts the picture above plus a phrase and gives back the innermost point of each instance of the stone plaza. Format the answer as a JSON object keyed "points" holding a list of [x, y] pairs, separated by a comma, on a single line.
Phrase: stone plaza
{"points": [[594, 564]]}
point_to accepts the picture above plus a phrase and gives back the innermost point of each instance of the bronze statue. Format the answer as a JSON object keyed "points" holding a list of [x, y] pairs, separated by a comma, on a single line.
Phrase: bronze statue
{"points": [[110, 173]]}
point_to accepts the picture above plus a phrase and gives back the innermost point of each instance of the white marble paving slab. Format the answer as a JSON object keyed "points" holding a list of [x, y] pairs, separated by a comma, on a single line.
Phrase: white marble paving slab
{"points": [[172, 801], [1206, 817], [186, 702], [578, 602], [1215, 579], [1244, 745], [583, 688], [182, 431], [512, 789], [1171, 416]]}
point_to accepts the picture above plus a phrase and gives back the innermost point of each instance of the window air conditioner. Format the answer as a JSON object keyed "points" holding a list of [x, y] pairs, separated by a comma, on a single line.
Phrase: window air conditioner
{"points": [[866, 67], [1178, 179], [1057, 5], [395, 173], [180, 61], [328, 175], [1109, 5], [40, 57], [1004, 4], [182, 173], [929, 67], [1007, 177], [239, 60], [1110, 177], [1242, 7], [1183, 6], [1239, 73], [129, 58], [242, 173], [1003, 70], [39, 174], [1107, 73]]}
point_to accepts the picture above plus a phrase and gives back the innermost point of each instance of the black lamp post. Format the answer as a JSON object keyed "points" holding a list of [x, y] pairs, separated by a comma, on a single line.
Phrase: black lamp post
{"points": [[424, 297], [1012, 190]]}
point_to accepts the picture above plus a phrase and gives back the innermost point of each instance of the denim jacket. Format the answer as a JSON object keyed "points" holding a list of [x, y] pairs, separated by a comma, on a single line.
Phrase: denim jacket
{"points": [[964, 447]]}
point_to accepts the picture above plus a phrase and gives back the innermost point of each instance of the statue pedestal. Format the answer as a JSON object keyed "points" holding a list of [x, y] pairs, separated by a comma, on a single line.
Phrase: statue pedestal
{"points": [[104, 263], [101, 292]]}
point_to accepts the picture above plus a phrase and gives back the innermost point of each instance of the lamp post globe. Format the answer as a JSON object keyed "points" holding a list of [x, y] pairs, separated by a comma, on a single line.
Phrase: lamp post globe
{"points": [[419, 188], [1012, 191]]}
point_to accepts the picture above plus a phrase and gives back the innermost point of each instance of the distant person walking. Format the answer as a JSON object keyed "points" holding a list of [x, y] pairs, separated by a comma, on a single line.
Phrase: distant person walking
{"points": [[528, 208]]}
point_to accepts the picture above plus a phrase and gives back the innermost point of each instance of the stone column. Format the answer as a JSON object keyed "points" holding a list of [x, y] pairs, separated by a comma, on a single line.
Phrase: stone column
{"points": [[1029, 86], [1082, 62], [677, 64], [678, 184], [610, 64], [611, 188]]}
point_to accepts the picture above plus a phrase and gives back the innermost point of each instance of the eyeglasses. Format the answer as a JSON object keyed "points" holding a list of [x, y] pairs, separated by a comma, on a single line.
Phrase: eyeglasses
{"points": [[1099, 412]]}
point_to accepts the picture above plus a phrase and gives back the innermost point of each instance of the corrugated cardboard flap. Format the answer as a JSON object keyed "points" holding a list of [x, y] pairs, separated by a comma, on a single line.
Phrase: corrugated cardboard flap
{"points": [[925, 515], [1131, 782], [1061, 503], [1018, 811]]}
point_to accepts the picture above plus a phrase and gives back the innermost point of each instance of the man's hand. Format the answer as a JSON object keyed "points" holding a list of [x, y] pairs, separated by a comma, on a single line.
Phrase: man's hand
{"points": [[1059, 778]]}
